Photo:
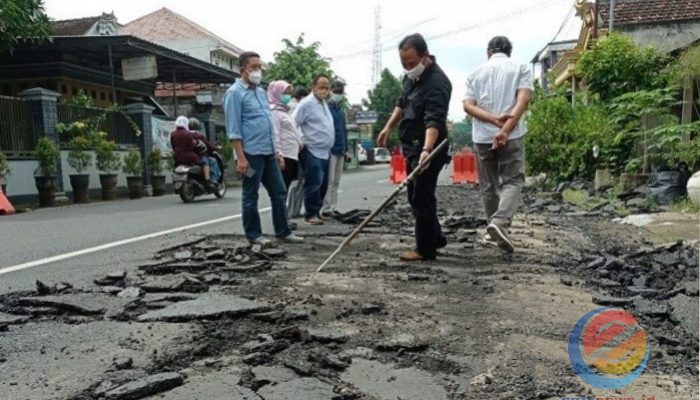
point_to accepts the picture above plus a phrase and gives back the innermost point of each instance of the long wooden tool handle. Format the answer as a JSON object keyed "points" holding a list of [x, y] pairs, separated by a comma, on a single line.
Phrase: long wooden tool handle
{"points": [[417, 171]]}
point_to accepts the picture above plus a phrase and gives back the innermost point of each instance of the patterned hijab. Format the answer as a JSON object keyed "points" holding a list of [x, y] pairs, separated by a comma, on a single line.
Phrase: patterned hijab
{"points": [[275, 91]]}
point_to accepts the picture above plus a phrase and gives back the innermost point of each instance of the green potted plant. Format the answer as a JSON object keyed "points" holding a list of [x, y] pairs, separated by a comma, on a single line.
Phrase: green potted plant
{"points": [[108, 163], [80, 160], [133, 168], [155, 162], [5, 171], [46, 153]]}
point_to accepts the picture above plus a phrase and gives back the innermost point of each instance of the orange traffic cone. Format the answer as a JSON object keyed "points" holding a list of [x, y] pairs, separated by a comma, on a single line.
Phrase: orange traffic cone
{"points": [[6, 207]]}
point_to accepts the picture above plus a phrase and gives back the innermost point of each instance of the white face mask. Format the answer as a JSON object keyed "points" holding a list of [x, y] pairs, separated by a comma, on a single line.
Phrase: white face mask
{"points": [[336, 98], [415, 72], [255, 77]]}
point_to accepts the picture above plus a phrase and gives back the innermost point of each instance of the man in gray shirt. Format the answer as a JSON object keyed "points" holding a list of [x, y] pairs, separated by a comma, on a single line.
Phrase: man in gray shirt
{"points": [[318, 134], [498, 94]]}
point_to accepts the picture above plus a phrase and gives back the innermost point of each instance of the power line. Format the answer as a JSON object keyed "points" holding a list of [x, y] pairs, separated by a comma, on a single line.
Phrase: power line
{"points": [[516, 13]]}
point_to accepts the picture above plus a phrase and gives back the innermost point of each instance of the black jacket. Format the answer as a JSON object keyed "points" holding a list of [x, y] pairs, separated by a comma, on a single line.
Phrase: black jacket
{"points": [[425, 103]]}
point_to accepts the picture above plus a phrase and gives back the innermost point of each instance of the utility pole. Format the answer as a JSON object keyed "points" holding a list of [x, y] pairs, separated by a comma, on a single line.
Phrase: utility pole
{"points": [[377, 49], [611, 16]]}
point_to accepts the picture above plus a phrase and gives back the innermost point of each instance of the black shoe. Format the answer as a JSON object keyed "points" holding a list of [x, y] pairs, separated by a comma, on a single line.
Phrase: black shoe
{"points": [[442, 242], [292, 226], [212, 187]]}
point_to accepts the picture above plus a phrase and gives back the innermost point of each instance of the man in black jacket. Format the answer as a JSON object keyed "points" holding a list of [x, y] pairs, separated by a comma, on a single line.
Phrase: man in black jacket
{"points": [[421, 114]]}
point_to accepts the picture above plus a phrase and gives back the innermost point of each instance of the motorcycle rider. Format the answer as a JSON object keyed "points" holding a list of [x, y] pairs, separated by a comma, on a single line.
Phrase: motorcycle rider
{"points": [[185, 149], [205, 148]]}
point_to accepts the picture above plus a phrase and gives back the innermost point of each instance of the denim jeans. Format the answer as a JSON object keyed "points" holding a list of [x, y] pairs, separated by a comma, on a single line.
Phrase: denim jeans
{"points": [[214, 169], [268, 173], [315, 183]]}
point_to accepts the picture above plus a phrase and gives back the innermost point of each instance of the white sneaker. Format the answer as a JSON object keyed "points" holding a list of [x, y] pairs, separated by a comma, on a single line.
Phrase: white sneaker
{"points": [[500, 237], [488, 241], [292, 238], [261, 240]]}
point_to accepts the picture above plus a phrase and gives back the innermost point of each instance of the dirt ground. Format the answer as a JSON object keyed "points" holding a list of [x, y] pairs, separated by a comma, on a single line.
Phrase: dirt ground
{"points": [[217, 319]]}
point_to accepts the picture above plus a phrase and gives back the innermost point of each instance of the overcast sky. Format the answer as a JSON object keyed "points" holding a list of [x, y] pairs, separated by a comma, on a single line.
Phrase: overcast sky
{"points": [[457, 30]]}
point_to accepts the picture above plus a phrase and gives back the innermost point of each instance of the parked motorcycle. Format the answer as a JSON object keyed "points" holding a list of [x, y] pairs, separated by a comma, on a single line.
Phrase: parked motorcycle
{"points": [[189, 183]]}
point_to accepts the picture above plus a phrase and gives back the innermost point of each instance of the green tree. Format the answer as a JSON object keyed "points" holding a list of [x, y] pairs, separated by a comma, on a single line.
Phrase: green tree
{"points": [[298, 63], [22, 19], [461, 133], [615, 66], [382, 99]]}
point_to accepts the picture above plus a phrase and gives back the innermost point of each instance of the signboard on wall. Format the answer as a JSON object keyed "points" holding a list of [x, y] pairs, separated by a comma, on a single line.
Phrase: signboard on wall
{"points": [[137, 68], [366, 117], [160, 131]]}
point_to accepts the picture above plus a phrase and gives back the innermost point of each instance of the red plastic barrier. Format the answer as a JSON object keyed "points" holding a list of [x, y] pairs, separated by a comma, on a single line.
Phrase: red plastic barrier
{"points": [[464, 168], [6, 207], [398, 169]]}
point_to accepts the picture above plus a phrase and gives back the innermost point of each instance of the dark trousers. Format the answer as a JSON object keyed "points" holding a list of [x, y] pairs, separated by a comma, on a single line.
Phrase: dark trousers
{"points": [[421, 196], [290, 173], [267, 173], [315, 183]]}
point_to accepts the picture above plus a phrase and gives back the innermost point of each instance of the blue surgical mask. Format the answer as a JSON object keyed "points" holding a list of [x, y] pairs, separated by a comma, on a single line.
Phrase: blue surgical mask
{"points": [[285, 99]]}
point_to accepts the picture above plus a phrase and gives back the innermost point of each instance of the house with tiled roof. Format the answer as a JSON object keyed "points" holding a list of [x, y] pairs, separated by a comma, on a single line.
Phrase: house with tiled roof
{"points": [[103, 25], [667, 25], [671, 26], [176, 32]]}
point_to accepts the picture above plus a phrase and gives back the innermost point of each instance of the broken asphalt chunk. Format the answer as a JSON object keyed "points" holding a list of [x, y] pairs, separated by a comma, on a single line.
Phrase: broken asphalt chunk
{"points": [[612, 301], [207, 306], [150, 385], [257, 358], [328, 335], [130, 293], [298, 389]]}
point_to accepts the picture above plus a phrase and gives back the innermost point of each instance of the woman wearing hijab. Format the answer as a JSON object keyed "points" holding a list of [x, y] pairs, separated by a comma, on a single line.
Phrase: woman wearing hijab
{"points": [[287, 136], [185, 148]]}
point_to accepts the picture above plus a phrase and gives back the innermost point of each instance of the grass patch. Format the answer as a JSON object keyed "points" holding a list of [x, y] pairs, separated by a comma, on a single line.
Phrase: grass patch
{"points": [[576, 197], [685, 206]]}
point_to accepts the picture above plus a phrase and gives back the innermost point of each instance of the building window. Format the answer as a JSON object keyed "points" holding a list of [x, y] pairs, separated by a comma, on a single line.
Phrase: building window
{"points": [[103, 96], [111, 98], [74, 91], [64, 89], [93, 94]]}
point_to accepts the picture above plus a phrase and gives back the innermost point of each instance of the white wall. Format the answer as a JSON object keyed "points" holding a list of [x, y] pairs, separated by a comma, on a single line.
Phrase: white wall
{"points": [[21, 181], [667, 37]]}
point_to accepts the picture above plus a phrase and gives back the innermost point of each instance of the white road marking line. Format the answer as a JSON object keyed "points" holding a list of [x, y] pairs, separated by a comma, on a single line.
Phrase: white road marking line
{"points": [[106, 246], [383, 181]]}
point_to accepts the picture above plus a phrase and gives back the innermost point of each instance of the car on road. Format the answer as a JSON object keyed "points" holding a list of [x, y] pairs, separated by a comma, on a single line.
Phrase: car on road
{"points": [[361, 154], [382, 155]]}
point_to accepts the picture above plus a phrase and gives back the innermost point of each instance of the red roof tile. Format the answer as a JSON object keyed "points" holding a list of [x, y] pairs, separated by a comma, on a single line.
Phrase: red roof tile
{"points": [[637, 12], [165, 24], [73, 27]]}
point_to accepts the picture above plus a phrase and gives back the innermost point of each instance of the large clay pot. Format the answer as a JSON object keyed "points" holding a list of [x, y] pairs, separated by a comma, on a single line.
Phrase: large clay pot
{"points": [[158, 183], [80, 184], [109, 186], [135, 186], [694, 188], [46, 186]]}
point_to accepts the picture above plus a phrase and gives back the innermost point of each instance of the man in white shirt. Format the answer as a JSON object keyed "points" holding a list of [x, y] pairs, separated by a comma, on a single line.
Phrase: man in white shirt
{"points": [[497, 96]]}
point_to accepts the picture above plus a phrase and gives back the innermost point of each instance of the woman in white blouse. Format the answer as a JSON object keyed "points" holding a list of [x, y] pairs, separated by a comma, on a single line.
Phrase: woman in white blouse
{"points": [[288, 139]]}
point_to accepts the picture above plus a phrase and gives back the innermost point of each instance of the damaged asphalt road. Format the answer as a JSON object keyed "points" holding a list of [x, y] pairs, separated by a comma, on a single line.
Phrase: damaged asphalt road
{"points": [[215, 318]]}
